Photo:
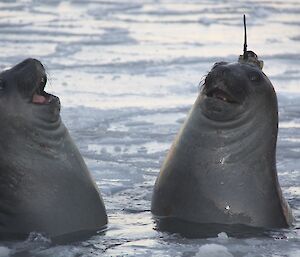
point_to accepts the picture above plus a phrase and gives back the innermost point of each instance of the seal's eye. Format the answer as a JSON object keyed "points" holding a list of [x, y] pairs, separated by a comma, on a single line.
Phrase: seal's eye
{"points": [[254, 76]]}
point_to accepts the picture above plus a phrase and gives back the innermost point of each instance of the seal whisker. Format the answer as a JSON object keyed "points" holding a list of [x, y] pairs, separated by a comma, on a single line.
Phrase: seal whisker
{"points": [[202, 82]]}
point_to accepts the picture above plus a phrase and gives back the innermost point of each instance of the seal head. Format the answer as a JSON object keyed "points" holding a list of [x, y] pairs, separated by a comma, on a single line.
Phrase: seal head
{"points": [[24, 85]]}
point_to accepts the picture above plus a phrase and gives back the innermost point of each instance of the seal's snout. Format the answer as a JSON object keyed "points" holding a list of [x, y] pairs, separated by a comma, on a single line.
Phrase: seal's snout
{"points": [[227, 82], [217, 84], [219, 73], [32, 80]]}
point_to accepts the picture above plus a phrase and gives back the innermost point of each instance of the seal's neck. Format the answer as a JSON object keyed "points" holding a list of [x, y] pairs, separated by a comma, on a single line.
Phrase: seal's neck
{"points": [[254, 133], [32, 133]]}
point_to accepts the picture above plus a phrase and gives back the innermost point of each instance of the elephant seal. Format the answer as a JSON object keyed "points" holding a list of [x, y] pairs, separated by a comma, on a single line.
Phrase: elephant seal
{"points": [[221, 168], [45, 185]]}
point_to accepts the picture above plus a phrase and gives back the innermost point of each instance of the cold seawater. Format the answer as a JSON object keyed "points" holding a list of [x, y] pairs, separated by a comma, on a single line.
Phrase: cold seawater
{"points": [[127, 73]]}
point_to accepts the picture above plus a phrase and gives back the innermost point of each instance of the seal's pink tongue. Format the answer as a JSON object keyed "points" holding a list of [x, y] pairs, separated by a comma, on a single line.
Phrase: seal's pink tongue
{"points": [[38, 99]]}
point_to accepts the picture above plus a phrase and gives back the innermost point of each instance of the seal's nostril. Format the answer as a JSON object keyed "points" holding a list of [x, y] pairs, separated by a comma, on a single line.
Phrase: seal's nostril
{"points": [[217, 64]]}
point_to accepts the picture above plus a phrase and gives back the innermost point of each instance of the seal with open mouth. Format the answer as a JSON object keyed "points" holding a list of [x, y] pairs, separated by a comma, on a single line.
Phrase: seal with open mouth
{"points": [[221, 168], [45, 185]]}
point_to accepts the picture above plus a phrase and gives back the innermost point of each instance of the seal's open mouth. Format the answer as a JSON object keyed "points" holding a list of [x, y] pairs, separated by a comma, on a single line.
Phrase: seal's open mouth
{"points": [[220, 94], [39, 95]]}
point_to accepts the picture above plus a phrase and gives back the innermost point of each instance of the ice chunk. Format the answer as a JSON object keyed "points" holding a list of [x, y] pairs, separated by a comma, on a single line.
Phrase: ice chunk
{"points": [[213, 250], [222, 235], [4, 251]]}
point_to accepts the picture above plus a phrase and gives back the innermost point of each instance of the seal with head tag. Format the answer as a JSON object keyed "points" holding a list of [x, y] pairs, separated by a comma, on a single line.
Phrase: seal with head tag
{"points": [[221, 169]]}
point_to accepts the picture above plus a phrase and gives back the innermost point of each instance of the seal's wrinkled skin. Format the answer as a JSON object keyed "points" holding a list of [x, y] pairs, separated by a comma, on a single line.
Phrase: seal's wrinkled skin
{"points": [[221, 168], [45, 185]]}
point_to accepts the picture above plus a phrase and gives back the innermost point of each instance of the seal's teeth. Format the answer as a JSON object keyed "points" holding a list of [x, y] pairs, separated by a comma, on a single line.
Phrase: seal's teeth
{"points": [[221, 95]]}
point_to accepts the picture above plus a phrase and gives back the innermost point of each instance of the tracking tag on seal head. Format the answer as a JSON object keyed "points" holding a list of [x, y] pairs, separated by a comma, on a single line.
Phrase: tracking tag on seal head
{"points": [[249, 56]]}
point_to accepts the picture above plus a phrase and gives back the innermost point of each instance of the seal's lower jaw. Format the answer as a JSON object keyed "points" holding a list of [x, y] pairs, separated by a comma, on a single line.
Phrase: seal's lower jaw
{"points": [[44, 98], [219, 104]]}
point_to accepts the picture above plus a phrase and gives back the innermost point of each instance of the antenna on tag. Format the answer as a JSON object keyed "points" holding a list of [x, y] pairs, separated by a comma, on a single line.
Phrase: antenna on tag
{"points": [[245, 39], [249, 56]]}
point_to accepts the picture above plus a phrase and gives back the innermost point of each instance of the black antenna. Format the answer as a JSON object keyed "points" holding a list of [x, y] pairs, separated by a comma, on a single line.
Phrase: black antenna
{"points": [[245, 39]]}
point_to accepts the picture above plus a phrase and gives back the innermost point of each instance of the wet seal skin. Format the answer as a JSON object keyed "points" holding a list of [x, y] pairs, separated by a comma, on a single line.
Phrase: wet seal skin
{"points": [[45, 185], [220, 173]]}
